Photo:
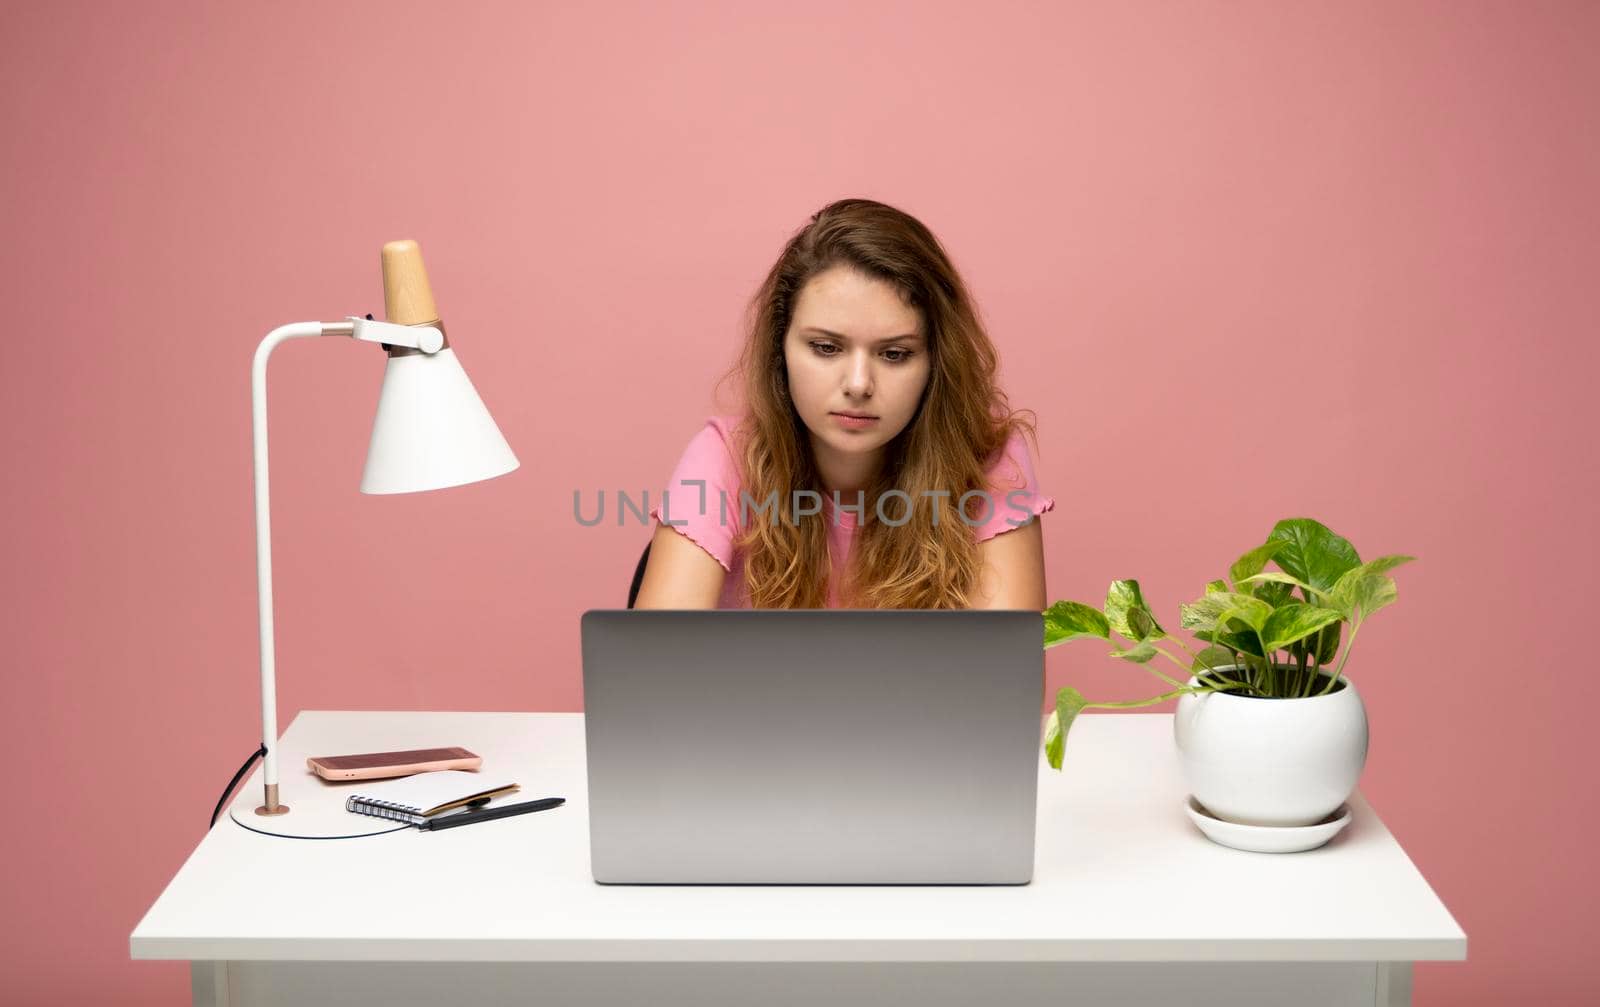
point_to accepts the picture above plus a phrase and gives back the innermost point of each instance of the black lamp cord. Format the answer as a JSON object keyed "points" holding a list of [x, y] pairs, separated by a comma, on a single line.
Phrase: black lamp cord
{"points": [[257, 754]]}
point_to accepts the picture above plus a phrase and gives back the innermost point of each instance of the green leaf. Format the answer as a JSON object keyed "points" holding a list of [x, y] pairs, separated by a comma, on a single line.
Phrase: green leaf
{"points": [[1054, 744], [1143, 623], [1344, 590], [1128, 614], [1208, 610], [1254, 561], [1253, 612], [1247, 643], [1138, 654], [1069, 702], [1383, 564], [1212, 657], [1371, 592], [1216, 586], [1068, 620], [1296, 622], [1200, 614], [1289, 584], [1273, 594], [1312, 554]]}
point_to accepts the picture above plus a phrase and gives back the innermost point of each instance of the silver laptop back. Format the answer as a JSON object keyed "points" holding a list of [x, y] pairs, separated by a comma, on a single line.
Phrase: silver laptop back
{"points": [[831, 746]]}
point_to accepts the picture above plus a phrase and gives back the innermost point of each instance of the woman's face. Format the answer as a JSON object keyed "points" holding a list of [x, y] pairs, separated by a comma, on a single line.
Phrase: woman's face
{"points": [[857, 358]]}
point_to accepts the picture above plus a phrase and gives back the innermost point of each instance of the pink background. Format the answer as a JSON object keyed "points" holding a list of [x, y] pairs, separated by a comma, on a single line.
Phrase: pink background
{"points": [[1245, 260]]}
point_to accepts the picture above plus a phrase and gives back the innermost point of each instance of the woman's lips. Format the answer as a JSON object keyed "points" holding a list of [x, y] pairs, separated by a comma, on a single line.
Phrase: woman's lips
{"points": [[854, 422]]}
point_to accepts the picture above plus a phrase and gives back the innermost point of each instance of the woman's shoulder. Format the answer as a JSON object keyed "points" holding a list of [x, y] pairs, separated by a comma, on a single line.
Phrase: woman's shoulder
{"points": [[1014, 481], [1011, 465], [713, 446], [726, 428], [698, 498]]}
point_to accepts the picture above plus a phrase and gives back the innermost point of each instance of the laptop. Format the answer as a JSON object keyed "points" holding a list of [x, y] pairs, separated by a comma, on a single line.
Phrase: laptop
{"points": [[817, 746]]}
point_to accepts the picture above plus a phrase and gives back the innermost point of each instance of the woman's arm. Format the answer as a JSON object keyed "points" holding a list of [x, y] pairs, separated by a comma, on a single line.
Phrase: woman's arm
{"points": [[680, 574], [1013, 570]]}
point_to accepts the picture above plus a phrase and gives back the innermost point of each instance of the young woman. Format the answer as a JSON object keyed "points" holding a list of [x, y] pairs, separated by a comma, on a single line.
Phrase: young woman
{"points": [[875, 463]]}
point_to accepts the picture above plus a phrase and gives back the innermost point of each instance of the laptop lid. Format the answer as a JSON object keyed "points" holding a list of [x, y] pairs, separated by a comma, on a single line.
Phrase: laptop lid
{"points": [[827, 746]]}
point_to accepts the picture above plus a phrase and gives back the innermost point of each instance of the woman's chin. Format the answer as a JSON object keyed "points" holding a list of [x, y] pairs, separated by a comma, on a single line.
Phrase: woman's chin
{"points": [[852, 442]]}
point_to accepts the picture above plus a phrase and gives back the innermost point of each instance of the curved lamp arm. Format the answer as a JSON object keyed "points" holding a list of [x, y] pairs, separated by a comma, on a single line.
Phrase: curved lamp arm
{"points": [[258, 425]]}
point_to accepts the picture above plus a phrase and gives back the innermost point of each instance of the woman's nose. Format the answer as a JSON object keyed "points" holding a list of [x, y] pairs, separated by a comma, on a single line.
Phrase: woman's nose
{"points": [[858, 379]]}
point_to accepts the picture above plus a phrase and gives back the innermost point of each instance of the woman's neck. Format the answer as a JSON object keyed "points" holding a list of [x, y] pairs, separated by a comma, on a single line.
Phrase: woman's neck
{"points": [[845, 474]]}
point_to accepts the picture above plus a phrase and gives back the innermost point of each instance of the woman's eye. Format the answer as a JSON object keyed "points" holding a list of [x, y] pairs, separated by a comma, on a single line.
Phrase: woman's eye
{"points": [[897, 356], [825, 349]]}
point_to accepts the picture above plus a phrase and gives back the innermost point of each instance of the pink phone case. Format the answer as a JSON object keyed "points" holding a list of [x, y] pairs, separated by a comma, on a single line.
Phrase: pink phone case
{"points": [[388, 769]]}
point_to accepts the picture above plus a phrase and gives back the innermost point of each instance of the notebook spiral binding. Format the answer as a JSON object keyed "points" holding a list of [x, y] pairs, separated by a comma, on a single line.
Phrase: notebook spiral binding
{"points": [[385, 809]]}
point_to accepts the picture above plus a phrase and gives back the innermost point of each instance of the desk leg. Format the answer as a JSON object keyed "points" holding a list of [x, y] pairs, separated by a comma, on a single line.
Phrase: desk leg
{"points": [[208, 984], [1394, 984]]}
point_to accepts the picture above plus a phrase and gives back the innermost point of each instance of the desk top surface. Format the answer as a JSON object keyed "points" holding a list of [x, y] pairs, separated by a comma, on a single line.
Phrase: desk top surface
{"points": [[1121, 874]]}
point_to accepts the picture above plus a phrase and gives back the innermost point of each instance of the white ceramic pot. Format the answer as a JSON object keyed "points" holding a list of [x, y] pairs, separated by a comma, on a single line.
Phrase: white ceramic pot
{"points": [[1261, 761]]}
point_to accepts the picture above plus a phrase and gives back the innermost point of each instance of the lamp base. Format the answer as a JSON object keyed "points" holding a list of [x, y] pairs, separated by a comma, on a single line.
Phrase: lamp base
{"points": [[319, 804], [318, 811], [273, 806]]}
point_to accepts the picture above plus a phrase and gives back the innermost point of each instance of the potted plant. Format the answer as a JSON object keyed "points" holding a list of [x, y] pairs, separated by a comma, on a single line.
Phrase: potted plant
{"points": [[1267, 733]]}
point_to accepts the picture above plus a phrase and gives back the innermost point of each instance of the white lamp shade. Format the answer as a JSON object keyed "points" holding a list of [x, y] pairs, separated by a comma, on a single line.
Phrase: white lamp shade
{"points": [[432, 430]]}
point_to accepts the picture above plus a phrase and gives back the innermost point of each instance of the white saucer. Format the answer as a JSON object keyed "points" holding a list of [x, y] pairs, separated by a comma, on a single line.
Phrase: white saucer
{"points": [[1268, 838]]}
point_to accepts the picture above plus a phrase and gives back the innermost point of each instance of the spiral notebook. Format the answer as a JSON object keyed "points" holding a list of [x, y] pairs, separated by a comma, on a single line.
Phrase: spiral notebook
{"points": [[415, 799]]}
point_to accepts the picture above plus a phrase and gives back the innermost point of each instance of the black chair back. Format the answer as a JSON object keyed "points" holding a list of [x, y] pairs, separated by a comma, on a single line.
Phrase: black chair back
{"points": [[638, 575]]}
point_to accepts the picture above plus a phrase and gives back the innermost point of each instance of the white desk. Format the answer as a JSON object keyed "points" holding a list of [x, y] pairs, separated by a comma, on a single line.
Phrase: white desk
{"points": [[1130, 904]]}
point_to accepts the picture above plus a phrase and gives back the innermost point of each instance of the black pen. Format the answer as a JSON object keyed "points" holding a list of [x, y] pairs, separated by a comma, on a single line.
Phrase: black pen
{"points": [[504, 811]]}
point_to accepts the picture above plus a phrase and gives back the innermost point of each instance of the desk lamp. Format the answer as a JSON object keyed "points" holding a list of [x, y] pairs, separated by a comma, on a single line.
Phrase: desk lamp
{"points": [[431, 431]]}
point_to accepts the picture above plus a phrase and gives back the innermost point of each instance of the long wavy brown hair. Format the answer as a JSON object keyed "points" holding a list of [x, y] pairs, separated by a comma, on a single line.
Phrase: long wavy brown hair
{"points": [[961, 424]]}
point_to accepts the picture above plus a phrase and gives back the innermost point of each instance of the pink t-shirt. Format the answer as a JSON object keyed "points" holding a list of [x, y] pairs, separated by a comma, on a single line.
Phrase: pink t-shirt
{"points": [[710, 514]]}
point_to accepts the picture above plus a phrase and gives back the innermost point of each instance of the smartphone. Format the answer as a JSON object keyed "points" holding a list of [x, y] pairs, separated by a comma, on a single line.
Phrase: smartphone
{"points": [[381, 765]]}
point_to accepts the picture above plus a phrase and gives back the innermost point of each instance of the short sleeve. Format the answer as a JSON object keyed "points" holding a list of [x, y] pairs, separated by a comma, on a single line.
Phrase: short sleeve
{"points": [[701, 499], [1014, 491]]}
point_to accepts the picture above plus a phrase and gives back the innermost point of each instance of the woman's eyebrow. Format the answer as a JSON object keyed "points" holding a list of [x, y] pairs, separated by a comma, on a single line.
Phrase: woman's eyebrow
{"points": [[910, 337]]}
